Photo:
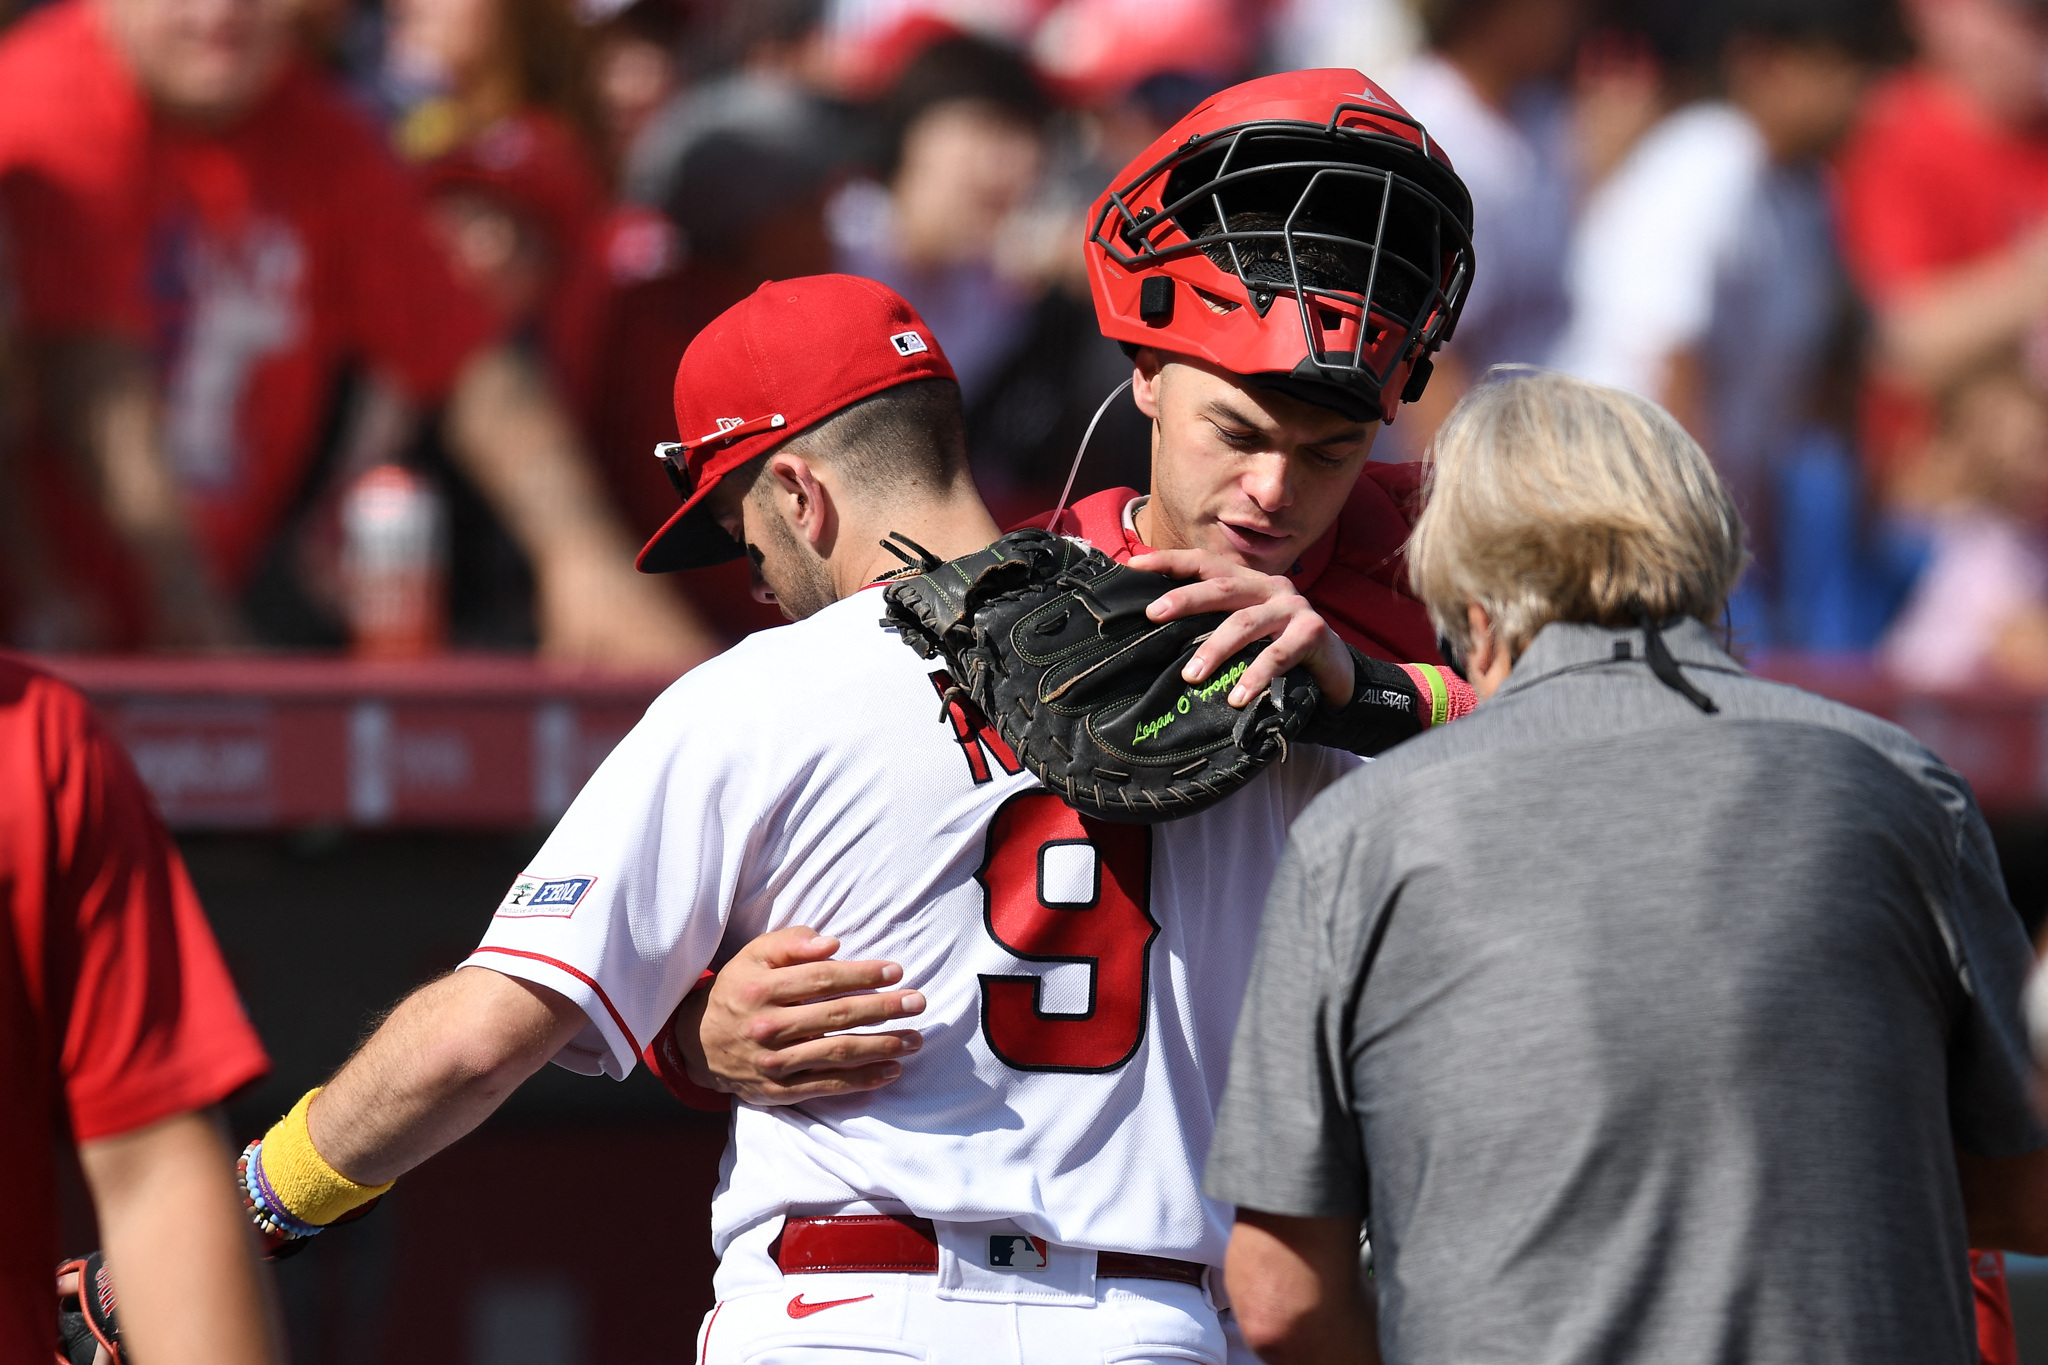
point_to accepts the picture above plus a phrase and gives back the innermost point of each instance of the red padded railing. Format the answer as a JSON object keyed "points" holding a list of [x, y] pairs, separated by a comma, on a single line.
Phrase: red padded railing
{"points": [[494, 742], [465, 741]]}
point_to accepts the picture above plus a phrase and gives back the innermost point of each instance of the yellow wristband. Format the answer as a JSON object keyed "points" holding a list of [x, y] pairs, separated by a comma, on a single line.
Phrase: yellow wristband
{"points": [[310, 1190]]}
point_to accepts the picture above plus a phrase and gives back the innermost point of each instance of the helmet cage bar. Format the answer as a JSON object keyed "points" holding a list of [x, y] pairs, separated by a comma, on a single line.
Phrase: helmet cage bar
{"points": [[1428, 325], [1378, 111]]}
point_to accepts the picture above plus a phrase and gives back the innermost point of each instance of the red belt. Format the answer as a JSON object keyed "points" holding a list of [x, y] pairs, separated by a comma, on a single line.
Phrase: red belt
{"points": [[900, 1244]]}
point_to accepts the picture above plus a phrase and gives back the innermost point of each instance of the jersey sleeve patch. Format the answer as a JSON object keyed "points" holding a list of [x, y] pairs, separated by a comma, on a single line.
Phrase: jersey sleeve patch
{"points": [[537, 897]]}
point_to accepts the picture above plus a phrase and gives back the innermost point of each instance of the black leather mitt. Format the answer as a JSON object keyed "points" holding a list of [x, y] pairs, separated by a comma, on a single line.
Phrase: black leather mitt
{"points": [[86, 1321], [1050, 641]]}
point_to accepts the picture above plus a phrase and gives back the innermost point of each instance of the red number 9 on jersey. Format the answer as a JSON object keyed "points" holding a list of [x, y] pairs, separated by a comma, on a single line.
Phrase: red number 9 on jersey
{"points": [[1060, 887]]}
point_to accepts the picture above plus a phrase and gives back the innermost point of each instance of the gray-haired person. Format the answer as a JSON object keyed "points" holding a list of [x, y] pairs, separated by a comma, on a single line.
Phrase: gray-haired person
{"points": [[1654, 1012]]}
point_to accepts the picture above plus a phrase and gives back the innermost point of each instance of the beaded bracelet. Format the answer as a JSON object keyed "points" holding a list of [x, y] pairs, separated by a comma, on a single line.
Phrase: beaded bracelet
{"points": [[265, 1209]]}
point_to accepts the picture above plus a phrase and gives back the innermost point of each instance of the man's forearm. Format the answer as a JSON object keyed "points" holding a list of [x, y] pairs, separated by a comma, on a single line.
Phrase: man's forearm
{"points": [[1294, 1286], [1932, 332], [191, 1291], [443, 1061], [515, 442], [103, 400]]}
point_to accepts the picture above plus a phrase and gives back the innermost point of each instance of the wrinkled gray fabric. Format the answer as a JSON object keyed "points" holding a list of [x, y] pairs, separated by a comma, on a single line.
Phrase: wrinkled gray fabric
{"points": [[1641, 1033]]}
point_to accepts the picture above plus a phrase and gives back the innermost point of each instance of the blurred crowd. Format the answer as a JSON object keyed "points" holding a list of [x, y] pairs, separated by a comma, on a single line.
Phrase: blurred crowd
{"points": [[295, 293]]}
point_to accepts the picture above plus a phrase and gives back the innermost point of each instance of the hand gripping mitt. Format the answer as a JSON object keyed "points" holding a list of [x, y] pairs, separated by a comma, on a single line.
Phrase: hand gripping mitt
{"points": [[1050, 641]]}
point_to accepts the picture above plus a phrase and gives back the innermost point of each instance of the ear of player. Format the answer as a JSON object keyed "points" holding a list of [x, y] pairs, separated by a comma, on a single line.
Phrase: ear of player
{"points": [[1301, 230], [1049, 640]]}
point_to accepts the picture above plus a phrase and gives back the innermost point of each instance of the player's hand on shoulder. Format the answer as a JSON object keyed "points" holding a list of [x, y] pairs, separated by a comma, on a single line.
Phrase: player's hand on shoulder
{"points": [[1261, 606], [771, 1029]]}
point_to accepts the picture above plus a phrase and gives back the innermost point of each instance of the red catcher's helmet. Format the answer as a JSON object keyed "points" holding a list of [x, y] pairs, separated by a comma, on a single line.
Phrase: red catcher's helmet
{"points": [[1314, 187]]}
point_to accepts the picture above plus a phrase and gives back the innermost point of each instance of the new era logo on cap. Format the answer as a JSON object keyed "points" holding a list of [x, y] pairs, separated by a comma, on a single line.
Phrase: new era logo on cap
{"points": [[908, 343]]}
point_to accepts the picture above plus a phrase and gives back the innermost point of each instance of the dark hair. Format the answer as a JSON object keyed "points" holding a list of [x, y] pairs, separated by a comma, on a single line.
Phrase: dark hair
{"points": [[753, 23], [890, 443], [731, 180], [961, 69], [1871, 30], [1444, 21]]}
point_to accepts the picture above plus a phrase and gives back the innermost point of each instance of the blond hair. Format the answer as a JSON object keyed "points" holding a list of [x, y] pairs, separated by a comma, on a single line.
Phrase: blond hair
{"points": [[1555, 499]]}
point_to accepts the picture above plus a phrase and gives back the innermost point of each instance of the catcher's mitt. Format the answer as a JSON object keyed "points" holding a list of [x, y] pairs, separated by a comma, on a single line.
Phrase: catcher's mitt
{"points": [[1050, 640], [86, 1321]]}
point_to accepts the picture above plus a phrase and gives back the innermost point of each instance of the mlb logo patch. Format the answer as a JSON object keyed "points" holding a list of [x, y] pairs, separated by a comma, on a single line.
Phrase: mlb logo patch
{"points": [[549, 897], [1014, 1251], [908, 343]]}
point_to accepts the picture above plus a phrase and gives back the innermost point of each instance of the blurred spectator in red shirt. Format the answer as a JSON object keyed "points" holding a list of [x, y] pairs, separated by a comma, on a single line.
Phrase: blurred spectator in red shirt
{"points": [[746, 204], [24, 558], [205, 233], [505, 122], [1944, 195]]}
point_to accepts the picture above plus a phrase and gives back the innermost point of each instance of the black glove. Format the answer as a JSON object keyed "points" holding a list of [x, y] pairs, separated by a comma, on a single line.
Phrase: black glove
{"points": [[86, 1320], [1051, 642]]}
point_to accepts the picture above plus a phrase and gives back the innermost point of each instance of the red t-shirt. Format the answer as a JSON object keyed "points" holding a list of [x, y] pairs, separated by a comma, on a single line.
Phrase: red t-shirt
{"points": [[1928, 183], [251, 262], [1356, 575], [535, 164], [115, 1008], [650, 323]]}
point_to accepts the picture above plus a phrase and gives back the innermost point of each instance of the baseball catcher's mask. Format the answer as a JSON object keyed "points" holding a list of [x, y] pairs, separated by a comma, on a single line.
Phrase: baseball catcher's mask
{"points": [[1314, 185]]}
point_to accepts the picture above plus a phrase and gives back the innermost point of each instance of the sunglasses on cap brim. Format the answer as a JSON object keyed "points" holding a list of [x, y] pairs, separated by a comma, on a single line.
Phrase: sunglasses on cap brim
{"points": [[675, 455]]}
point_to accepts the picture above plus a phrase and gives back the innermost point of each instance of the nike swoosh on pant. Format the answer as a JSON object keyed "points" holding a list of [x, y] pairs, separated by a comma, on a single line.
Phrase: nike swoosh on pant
{"points": [[799, 1309]]}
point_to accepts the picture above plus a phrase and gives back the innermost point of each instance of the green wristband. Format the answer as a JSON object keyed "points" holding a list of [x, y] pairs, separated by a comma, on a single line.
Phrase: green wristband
{"points": [[1439, 694]]}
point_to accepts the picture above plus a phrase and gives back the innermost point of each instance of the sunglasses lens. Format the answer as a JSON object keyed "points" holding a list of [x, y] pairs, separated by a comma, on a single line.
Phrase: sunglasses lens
{"points": [[670, 453]]}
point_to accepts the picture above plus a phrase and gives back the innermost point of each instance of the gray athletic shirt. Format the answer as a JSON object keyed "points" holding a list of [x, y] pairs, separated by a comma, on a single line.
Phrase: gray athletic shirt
{"points": [[1640, 1034]]}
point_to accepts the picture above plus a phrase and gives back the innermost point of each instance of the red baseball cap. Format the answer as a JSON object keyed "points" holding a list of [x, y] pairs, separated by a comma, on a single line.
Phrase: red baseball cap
{"points": [[779, 361]]}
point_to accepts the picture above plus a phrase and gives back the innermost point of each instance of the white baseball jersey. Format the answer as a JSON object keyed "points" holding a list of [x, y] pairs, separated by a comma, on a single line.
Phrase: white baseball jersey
{"points": [[1083, 978]]}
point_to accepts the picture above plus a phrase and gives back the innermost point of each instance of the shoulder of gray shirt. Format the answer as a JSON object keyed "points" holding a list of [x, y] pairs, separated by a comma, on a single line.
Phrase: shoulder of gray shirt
{"points": [[1574, 683]]}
